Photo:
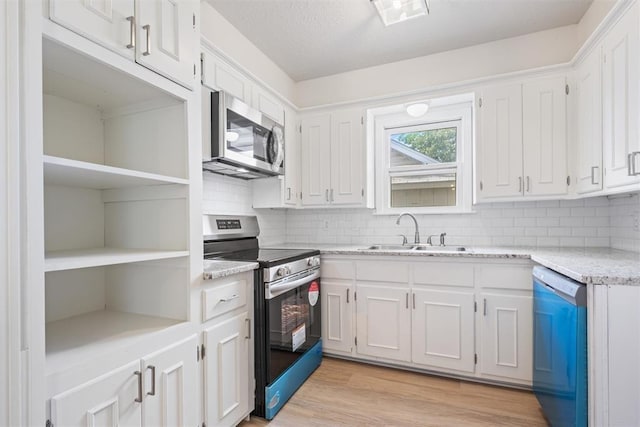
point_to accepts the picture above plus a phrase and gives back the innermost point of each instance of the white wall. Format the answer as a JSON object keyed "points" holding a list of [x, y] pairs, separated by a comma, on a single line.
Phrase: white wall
{"points": [[232, 196], [534, 50], [224, 36], [625, 212], [592, 18]]}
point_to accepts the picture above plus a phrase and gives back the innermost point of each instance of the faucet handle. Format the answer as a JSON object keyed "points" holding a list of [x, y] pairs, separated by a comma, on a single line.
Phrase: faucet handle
{"points": [[442, 238], [404, 239], [429, 242]]}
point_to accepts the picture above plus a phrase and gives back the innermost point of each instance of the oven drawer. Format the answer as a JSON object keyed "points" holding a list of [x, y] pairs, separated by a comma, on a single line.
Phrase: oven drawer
{"points": [[222, 298]]}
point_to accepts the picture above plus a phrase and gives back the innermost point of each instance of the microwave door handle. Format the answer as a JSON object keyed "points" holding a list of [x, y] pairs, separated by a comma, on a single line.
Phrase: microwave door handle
{"points": [[281, 288]]}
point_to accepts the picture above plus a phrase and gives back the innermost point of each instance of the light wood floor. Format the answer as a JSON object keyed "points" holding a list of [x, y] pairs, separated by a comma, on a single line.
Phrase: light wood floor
{"points": [[342, 393]]}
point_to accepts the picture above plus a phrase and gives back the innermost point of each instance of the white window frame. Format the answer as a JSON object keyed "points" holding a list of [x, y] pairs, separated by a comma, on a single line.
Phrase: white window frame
{"points": [[437, 117]]}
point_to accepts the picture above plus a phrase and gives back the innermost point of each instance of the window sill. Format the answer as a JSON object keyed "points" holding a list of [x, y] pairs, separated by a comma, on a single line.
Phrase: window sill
{"points": [[423, 211]]}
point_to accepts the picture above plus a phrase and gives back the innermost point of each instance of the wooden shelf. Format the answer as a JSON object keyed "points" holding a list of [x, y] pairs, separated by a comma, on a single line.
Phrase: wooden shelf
{"points": [[80, 338], [83, 258], [74, 173]]}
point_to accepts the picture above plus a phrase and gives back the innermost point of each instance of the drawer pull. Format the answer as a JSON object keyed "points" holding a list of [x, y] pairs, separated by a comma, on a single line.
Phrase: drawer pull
{"points": [[232, 297]]}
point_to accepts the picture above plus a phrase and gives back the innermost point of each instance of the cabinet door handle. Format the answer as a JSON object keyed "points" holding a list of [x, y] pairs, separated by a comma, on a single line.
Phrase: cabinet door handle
{"points": [[248, 321], [232, 297], [153, 380], [519, 184], [326, 194], [528, 184], [414, 301], [407, 299], [347, 295], [593, 175], [331, 195], [132, 32], [484, 306], [632, 163], [288, 193], [139, 398], [147, 28]]}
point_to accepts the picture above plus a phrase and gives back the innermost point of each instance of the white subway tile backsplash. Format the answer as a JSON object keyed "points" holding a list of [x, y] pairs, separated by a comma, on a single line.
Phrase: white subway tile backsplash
{"points": [[596, 221]]}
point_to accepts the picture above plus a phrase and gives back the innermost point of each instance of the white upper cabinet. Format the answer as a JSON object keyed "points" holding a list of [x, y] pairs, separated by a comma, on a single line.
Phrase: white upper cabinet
{"points": [[167, 38], [315, 149], [523, 140], [109, 23], [218, 75], [347, 158], [333, 159], [268, 105], [544, 136], [500, 148], [161, 35], [587, 124], [621, 94]]}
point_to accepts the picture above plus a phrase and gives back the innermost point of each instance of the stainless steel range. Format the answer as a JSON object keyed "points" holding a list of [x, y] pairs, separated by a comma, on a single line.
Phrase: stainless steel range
{"points": [[287, 330]]}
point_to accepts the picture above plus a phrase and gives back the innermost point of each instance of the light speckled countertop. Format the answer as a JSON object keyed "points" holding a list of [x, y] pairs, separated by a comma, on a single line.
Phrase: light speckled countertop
{"points": [[215, 269], [592, 266]]}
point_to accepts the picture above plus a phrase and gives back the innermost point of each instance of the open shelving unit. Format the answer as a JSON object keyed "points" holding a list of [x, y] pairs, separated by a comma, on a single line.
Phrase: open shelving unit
{"points": [[116, 209]]}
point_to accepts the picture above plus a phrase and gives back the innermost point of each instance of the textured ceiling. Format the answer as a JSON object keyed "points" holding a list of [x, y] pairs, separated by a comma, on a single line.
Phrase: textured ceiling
{"points": [[314, 38]]}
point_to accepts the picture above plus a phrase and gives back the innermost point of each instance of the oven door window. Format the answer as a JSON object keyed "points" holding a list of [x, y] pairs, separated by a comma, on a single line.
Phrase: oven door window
{"points": [[246, 137], [294, 326]]}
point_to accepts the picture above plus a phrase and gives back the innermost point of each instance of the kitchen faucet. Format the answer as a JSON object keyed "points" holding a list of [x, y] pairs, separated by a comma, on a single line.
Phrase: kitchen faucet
{"points": [[417, 236]]}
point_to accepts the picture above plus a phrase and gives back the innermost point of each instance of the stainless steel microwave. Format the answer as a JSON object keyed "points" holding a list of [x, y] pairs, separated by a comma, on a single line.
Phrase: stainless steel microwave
{"points": [[239, 141]]}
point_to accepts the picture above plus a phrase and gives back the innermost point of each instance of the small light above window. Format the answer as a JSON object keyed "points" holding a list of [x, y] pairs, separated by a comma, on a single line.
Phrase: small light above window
{"points": [[417, 110], [394, 11]]}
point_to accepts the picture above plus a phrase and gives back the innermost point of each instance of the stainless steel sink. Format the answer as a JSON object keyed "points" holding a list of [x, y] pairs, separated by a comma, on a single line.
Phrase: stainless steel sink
{"points": [[390, 248], [418, 248], [423, 248]]}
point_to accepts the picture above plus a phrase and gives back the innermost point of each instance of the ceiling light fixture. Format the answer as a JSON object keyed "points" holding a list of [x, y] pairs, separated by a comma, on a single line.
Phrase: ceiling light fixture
{"points": [[418, 109], [394, 11]]}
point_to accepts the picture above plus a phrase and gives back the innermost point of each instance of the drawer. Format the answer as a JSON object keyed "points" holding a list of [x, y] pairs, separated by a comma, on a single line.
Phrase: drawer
{"points": [[222, 298], [505, 276], [383, 271], [443, 274], [334, 269]]}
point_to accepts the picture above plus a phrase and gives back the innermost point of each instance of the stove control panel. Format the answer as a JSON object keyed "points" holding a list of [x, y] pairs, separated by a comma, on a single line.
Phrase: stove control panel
{"points": [[283, 271], [313, 261]]}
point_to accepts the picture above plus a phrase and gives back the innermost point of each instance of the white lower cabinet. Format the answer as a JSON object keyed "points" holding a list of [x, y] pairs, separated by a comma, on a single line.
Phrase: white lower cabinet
{"points": [[160, 390], [506, 340], [226, 371], [171, 395], [227, 350], [443, 329], [337, 315], [383, 322], [459, 317]]}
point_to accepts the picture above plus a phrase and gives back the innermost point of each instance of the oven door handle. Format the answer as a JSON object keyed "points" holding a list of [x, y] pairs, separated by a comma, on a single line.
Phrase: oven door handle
{"points": [[273, 290]]}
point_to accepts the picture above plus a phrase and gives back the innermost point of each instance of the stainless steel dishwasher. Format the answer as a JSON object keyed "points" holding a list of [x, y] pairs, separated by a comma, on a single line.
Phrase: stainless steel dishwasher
{"points": [[560, 347]]}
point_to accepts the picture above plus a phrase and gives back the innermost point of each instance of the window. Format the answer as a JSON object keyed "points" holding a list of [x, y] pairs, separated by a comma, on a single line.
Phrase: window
{"points": [[424, 165]]}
